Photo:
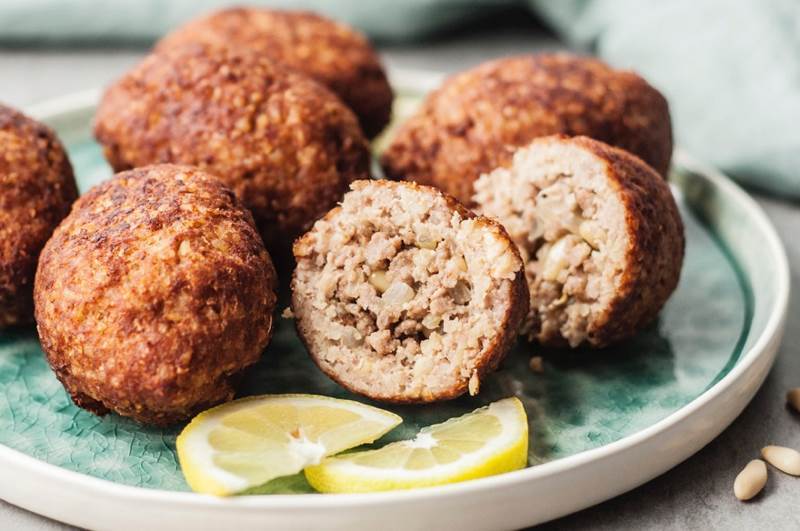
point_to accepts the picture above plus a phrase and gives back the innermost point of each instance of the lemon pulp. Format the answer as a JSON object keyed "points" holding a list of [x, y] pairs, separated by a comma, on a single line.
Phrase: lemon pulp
{"points": [[490, 440], [247, 442]]}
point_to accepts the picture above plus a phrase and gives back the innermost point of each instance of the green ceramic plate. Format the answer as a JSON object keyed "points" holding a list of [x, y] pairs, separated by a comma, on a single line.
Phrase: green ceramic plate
{"points": [[583, 401]]}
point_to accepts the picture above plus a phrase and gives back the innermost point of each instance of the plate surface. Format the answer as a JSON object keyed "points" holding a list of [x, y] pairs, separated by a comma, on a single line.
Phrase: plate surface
{"points": [[628, 413]]}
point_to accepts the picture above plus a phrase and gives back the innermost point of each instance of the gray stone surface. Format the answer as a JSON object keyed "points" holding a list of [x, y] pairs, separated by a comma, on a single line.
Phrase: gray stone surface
{"points": [[696, 494]]}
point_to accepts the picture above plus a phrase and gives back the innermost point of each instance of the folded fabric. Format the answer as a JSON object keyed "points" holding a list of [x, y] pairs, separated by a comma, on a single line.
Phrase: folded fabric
{"points": [[730, 69], [145, 20]]}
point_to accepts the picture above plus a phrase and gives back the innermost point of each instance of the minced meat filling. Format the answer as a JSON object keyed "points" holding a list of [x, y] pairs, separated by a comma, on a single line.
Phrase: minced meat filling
{"points": [[568, 226], [399, 296], [402, 287]]}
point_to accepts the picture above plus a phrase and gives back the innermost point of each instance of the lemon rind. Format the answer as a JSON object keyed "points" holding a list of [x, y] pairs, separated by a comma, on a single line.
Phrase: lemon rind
{"points": [[196, 462], [342, 475]]}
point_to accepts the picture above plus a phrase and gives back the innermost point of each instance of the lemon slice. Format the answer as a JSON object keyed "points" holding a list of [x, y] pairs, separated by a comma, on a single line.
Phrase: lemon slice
{"points": [[247, 442], [490, 440]]}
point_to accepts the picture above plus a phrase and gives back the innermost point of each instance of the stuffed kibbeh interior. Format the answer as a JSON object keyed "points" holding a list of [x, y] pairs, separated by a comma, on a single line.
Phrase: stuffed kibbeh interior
{"points": [[403, 295], [599, 232]]}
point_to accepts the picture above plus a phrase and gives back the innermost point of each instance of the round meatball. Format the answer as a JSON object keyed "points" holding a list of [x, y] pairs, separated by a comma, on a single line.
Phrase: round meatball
{"points": [[154, 294], [403, 295], [37, 189], [600, 234], [475, 121], [285, 144], [334, 54]]}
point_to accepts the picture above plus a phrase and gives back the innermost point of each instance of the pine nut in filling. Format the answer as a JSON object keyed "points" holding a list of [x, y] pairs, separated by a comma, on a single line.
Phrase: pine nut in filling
{"points": [[403, 295]]}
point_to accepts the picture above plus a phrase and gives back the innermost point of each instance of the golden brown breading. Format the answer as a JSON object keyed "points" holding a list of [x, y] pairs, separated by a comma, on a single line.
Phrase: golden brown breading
{"points": [[285, 144], [332, 53], [475, 121], [154, 294], [36, 190], [655, 253]]}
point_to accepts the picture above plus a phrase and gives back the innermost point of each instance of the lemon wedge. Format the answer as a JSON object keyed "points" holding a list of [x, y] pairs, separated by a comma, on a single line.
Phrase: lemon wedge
{"points": [[247, 442], [490, 440]]}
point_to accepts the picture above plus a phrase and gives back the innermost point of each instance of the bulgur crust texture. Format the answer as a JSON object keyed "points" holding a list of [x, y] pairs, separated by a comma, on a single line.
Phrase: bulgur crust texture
{"points": [[403, 295], [37, 188], [154, 294], [600, 234], [285, 144], [476, 120], [332, 53]]}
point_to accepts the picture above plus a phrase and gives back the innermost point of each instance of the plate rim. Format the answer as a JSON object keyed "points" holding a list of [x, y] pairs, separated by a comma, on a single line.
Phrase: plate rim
{"points": [[772, 331]]}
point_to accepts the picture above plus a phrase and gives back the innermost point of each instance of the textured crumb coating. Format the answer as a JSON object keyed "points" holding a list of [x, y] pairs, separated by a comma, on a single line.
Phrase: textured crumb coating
{"points": [[37, 188], [403, 295], [332, 53], [478, 118], [600, 234], [285, 144], [154, 294]]}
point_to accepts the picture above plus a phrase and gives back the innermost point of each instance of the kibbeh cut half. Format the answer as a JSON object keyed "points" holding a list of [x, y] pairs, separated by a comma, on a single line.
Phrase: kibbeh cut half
{"points": [[37, 188], [154, 294], [330, 52], [403, 295], [285, 144], [476, 120], [599, 232]]}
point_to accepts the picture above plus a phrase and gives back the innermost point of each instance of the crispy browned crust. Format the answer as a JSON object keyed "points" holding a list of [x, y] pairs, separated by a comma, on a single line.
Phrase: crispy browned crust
{"points": [[37, 188], [654, 257], [474, 122], [492, 356], [332, 53], [285, 144], [154, 294]]}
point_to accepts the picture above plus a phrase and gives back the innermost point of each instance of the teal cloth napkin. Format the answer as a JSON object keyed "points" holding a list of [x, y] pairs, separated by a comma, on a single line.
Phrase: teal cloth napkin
{"points": [[729, 68]]}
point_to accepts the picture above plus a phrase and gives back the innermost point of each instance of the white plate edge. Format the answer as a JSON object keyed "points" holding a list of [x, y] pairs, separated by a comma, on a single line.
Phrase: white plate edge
{"points": [[772, 329]]}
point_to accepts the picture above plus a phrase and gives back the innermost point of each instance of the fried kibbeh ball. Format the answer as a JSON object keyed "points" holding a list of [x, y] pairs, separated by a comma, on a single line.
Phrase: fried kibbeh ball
{"points": [[599, 232], [334, 54], [154, 294], [403, 295], [476, 120], [37, 188], [284, 143]]}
